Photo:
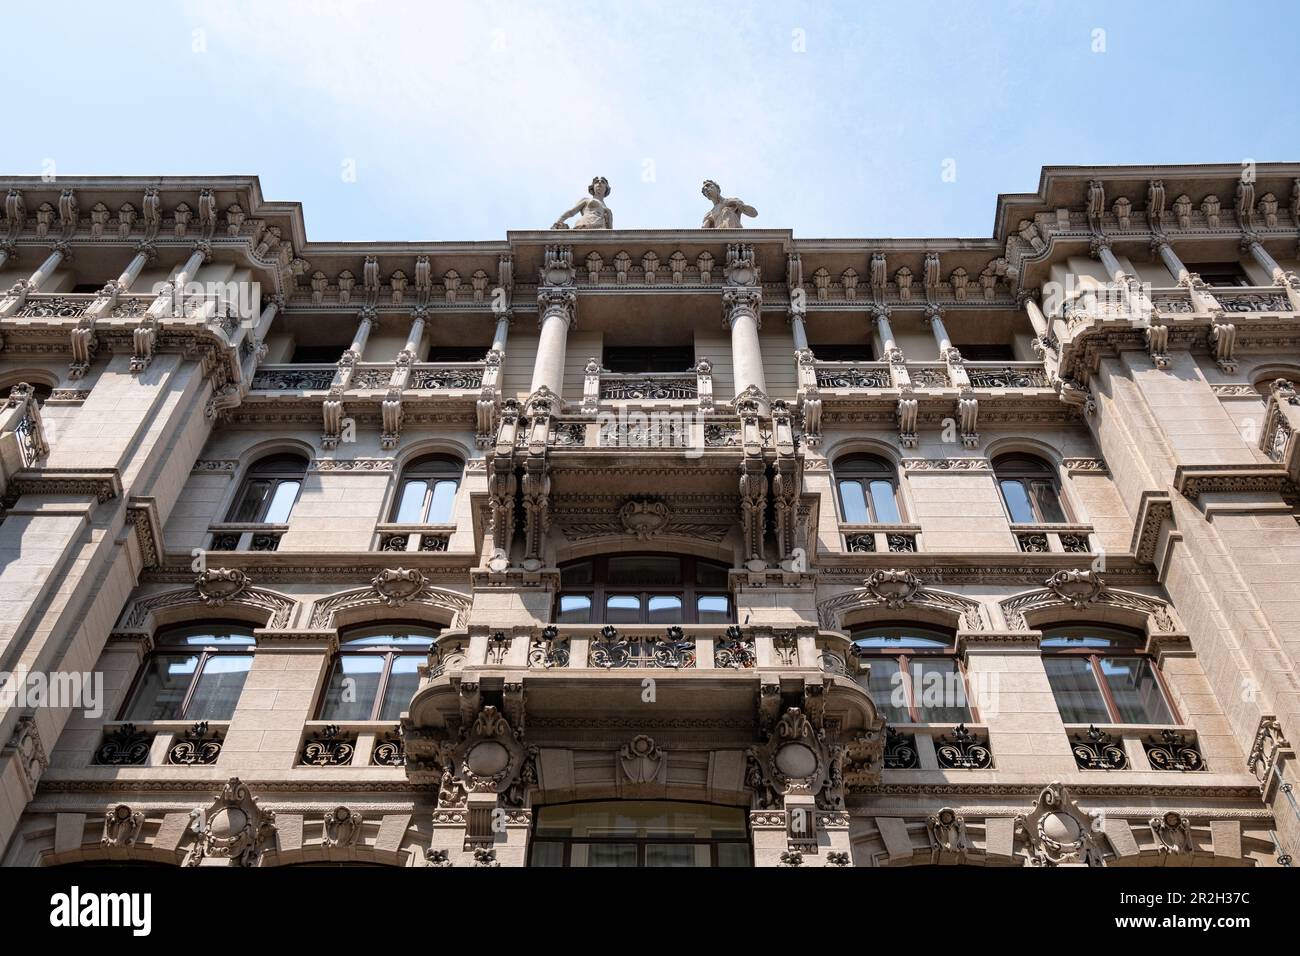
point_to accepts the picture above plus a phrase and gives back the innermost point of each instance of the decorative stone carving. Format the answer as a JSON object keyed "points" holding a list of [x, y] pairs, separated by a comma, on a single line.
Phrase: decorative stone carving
{"points": [[947, 830], [342, 827], [644, 519], [641, 760], [592, 213], [232, 827], [1076, 588], [1172, 832], [725, 213], [122, 826], [1059, 832], [26, 747], [893, 588], [219, 586], [397, 586]]}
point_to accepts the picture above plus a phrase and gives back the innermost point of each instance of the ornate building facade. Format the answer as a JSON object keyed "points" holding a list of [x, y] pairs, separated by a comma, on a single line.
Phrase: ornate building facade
{"points": [[699, 547]]}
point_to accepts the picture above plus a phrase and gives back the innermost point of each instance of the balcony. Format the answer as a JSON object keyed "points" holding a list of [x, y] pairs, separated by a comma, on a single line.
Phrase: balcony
{"points": [[409, 537], [231, 536], [1053, 538], [371, 376]]}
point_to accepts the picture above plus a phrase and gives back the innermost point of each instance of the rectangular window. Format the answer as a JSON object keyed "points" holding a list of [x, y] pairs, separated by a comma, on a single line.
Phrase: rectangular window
{"points": [[286, 493], [636, 359], [217, 690], [885, 685], [1014, 494], [1135, 690], [622, 609], [939, 692], [250, 505], [575, 609], [161, 694], [713, 609], [665, 609], [884, 502], [987, 353], [854, 503], [403, 682], [1074, 686], [1047, 504], [354, 682], [317, 354], [410, 509], [845, 353]]}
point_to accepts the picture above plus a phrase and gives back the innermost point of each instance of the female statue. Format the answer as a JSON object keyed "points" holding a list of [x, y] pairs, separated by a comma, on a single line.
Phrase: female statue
{"points": [[592, 213], [725, 213]]}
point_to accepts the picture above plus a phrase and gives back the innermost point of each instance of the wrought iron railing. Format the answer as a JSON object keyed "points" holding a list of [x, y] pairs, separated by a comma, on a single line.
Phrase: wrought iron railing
{"points": [[853, 375], [654, 387]]}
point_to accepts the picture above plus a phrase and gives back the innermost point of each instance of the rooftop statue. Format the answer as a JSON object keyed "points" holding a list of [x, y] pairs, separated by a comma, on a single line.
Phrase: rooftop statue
{"points": [[725, 213], [592, 213]]}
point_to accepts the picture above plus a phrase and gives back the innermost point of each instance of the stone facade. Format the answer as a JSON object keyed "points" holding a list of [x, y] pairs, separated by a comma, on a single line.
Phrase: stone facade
{"points": [[1130, 331]]}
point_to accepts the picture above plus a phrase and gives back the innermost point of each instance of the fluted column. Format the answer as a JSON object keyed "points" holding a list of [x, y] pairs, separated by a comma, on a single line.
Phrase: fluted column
{"points": [[365, 322], [742, 317], [557, 305]]}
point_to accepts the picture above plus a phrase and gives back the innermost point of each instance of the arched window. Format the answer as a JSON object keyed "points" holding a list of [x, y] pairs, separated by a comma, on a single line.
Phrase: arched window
{"points": [[269, 490], [644, 589], [428, 490], [1029, 490], [915, 675], [376, 672], [868, 488], [194, 673], [1100, 676]]}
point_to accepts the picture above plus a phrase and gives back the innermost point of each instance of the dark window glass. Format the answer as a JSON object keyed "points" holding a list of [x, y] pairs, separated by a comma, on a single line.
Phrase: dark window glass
{"points": [[317, 354], [633, 833], [376, 672], [987, 353], [852, 352], [196, 673], [868, 489], [1220, 273], [457, 353], [1029, 490], [914, 676], [644, 589], [269, 491], [428, 490], [634, 359], [1098, 676]]}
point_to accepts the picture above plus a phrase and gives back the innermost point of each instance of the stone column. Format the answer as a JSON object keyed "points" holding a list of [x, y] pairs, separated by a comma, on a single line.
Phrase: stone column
{"points": [[502, 332], [1161, 247], [940, 331], [557, 305], [16, 296], [741, 307], [798, 330], [1251, 245], [365, 323], [888, 346], [414, 336]]}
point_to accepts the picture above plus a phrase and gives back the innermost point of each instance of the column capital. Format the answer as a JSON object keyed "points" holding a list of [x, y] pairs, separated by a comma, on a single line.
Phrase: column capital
{"points": [[557, 301], [146, 248], [1159, 242], [1098, 245], [202, 248], [740, 301], [880, 312], [1249, 241], [62, 248], [1034, 295], [933, 314]]}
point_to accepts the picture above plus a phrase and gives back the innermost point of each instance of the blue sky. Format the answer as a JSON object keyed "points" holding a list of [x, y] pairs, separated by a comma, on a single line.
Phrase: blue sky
{"points": [[442, 121]]}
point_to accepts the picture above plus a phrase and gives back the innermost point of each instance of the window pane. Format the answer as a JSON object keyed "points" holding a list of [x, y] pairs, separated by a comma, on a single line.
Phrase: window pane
{"points": [[1133, 685], [250, 501], [665, 609], [885, 685], [604, 854], [353, 684], [547, 854], [622, 609], [1013, 493], [576, 575], [645, 571], [162, 687], [286, 493], [884, 503], [713, 609], [206, 637], [575, 609], [403, 682], [939, 691], [733, 854], [1077, 696], [710, 575], [1046, 500], [444, 493], [676, 854], [901, 638], [853, 503], [410, 507], [416, 638], [218, 688]]}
